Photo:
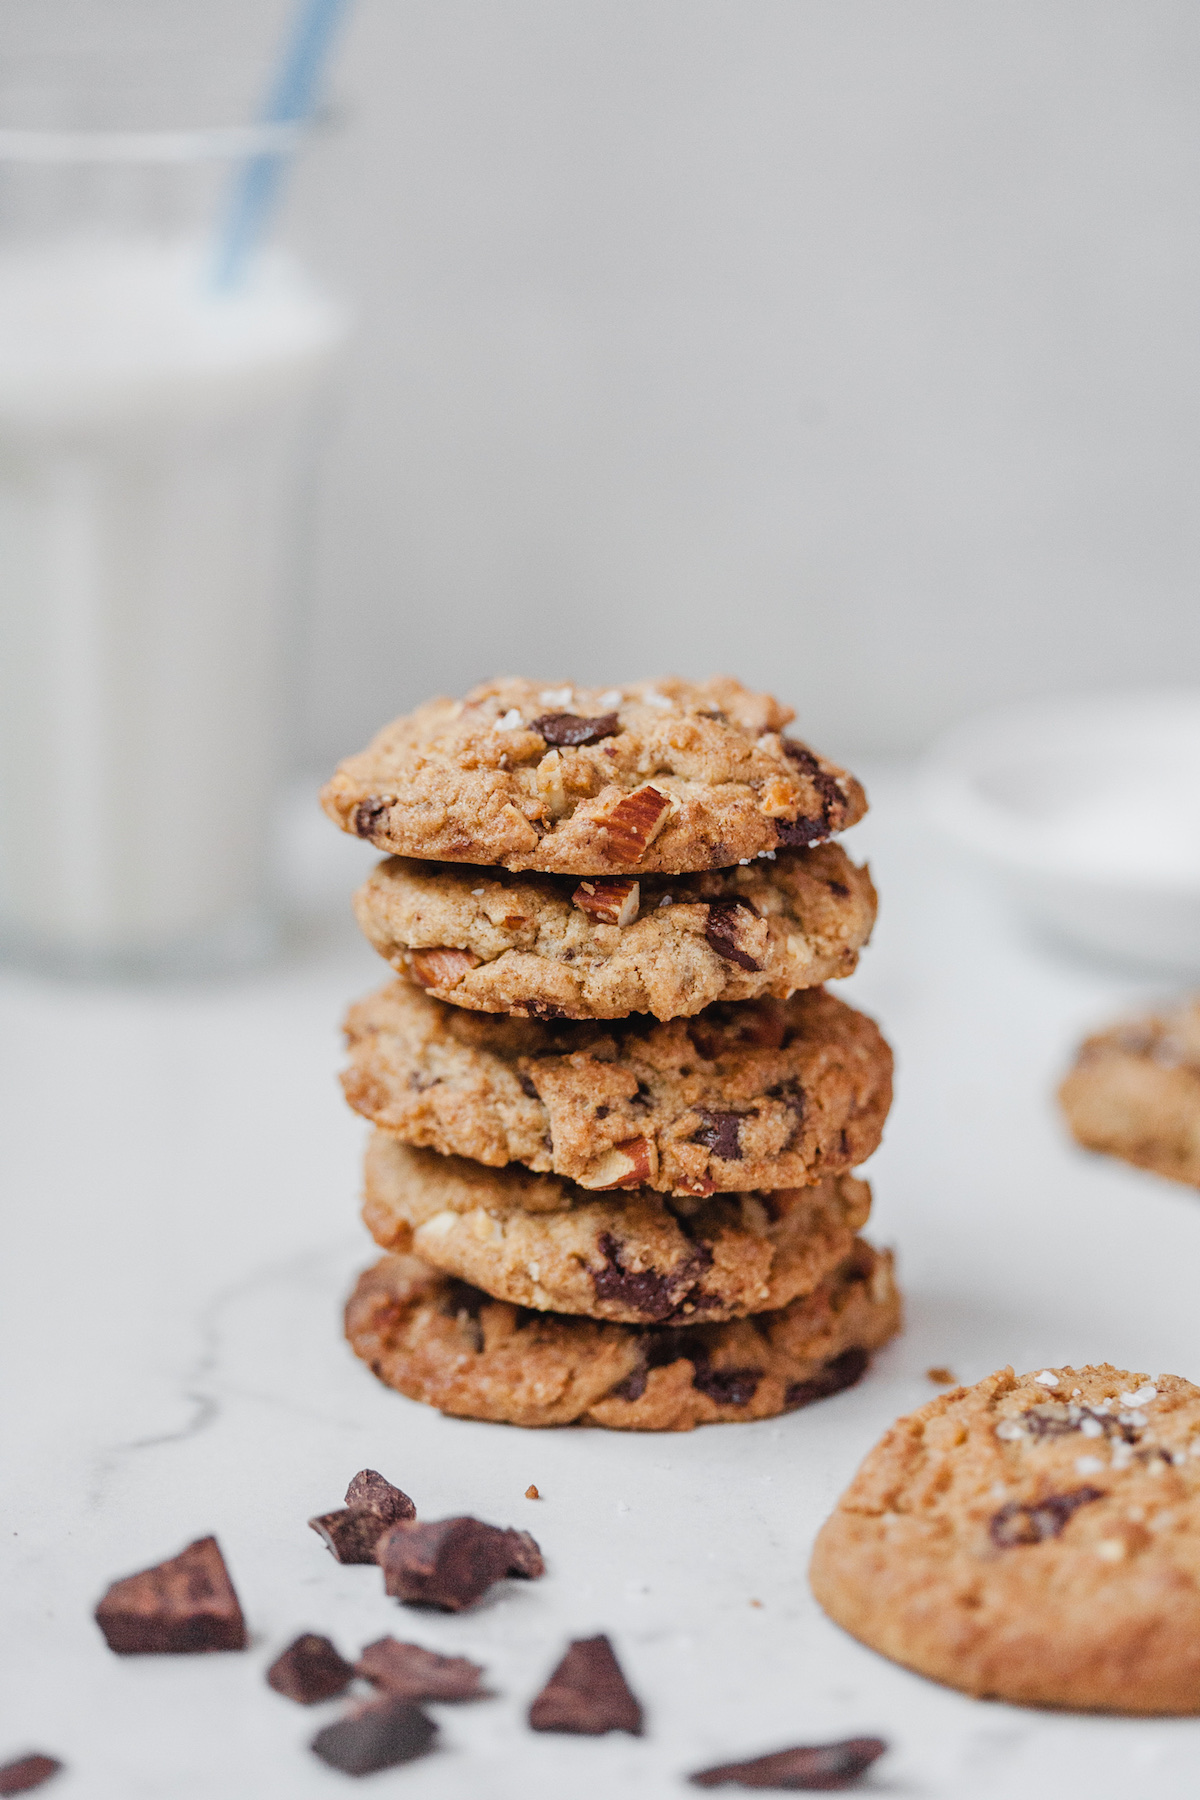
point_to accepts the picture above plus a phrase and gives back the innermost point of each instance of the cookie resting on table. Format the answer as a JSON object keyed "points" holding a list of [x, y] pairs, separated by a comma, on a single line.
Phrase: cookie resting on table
{"points": [[761, 1094], [1033, 1539], [1134, 1092], [648, 777], [437, 1340], [552, 947], [639, 1257]]}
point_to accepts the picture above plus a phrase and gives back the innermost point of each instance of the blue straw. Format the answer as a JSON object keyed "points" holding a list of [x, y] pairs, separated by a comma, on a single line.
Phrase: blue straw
{"points": [[290, 100]]}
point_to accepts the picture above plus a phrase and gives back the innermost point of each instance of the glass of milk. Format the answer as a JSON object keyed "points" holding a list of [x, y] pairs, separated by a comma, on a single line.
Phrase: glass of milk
{"points": [[157, 438]]}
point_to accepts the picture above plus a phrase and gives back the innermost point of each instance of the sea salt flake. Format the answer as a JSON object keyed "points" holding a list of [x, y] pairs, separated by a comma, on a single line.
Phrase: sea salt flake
{"points": [[1088, 1465], [510, 721], [1091, 1428], [1047, 1378], [477, 892], [613, 697], [1140, 1398], [556, 696], [652, 697]]}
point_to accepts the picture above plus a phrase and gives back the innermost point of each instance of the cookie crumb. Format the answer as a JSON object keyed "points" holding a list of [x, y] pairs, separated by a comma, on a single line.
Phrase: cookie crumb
{"points": [[756, 1603], [531, 1493], [942, 1376]]}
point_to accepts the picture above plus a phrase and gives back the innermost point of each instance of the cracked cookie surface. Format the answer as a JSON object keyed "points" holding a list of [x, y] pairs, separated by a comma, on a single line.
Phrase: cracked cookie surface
{"points": [[760, 1094], [639, 1258], [1134, 1093], [663, 776], [439, 1341], [540, 945], [1033, 1539]]}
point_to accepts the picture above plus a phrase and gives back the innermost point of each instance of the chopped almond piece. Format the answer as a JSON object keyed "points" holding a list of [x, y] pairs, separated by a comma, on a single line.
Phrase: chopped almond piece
{"points": [[442, 967], [609, 902], [625, 1165], [635, 822]]}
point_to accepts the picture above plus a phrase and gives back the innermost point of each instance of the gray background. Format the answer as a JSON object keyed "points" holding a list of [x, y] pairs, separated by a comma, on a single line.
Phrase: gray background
{"points": [[846, 344]]}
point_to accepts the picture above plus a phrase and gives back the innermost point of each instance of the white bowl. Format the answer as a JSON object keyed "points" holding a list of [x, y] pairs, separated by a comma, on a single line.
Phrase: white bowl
{"points": [[1090, 810]]}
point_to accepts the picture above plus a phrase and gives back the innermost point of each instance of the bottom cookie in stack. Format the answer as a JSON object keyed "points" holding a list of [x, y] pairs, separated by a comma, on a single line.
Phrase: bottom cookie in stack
{"points": [[437, 1340]]}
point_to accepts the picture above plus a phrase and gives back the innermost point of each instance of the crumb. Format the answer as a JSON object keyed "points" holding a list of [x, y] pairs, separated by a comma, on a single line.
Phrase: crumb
{"points": [[531, 1493], [756, 1603], [942, 1376]]}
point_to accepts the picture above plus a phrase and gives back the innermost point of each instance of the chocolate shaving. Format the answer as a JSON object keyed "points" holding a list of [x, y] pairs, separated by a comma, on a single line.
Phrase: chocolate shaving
{"points": [[719, 1133], [839, 1373], [822, 1768], [587, 1693], [721, 931], [180, 1606], [451, 1563], [1035, 1524], [368, 813], [27, 1772], [568, 729], [309, 1670], [375, 1737], [410, 1673]]}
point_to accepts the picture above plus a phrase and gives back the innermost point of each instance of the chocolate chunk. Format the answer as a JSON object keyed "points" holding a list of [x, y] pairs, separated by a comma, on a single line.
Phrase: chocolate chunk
{"points": [[545, 1009], [368, 1491], [838, 1373], [27, 1772], [646, 1291], [833, 801], [368, 813], [728, 1387], [410, 1673], [179, 1606], [309, 1670], [719, 1133], [572, 728], [796, 833], [351, 1533], [453, 1562], [721, 931], [633, 1386], [839, 888], [821, 1768], [376, 1737], [587, 1693], [527, 1087], [1017, 1524]]}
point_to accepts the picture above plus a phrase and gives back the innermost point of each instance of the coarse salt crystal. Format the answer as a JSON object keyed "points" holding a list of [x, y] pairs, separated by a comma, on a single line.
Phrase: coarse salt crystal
{"points": [[769, 854], [1047, 1378], [477, 892], [666, 901], [556, 696], [510, 721], [652, 697], [743, 862], [1088, 1465], [1143, 1394], [1091, 1428], [612, 698]]}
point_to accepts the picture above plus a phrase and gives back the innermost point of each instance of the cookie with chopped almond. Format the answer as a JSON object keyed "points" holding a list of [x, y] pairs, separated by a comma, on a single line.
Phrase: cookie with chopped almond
{"points": [[551, 946], [1134, 1093], [1033, 1538], [761, 1094], [640, 1257], [439, 1341], [647, 777]]}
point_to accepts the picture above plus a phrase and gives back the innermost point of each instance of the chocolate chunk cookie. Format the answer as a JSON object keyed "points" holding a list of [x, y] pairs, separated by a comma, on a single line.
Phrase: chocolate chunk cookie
{"points": [[1033, 1539], [437, 1340], [1135, 1093], [665, 776], [548, 946], [762, 1094], [543, 1243]]}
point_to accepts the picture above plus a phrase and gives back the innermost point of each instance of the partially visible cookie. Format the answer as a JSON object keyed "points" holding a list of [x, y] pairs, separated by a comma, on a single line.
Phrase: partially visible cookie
{"points": [[761, 1094], [1135, 1093], [444, 1343], [641, 1258], [669, 945], [1033, 1539], [669, 775]]}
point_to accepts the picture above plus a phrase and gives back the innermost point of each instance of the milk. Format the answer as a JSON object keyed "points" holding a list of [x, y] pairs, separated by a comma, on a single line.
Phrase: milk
{"points": [[154, 440]]}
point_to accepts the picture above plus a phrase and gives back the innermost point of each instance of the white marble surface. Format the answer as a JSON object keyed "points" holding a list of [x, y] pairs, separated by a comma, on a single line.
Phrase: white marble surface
{"points": [[180, 1229]]}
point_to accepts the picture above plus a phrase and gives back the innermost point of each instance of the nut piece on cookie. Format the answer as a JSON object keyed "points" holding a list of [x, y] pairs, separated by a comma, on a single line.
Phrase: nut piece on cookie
{"points": [[547, 946], [665, 776], [1134, 1093], [1034, 1539]]}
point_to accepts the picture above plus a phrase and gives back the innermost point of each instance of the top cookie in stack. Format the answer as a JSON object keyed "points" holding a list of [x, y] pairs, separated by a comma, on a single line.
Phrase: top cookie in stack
{"points": [[568, 856]]}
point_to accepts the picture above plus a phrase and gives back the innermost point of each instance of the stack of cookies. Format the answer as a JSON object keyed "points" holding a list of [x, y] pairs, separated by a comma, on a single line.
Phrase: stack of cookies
{"points": [[616, 1112]]}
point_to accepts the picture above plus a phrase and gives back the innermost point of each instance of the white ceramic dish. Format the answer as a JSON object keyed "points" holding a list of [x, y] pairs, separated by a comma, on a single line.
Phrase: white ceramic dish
{"points": [[1089, 808]]}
